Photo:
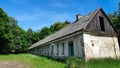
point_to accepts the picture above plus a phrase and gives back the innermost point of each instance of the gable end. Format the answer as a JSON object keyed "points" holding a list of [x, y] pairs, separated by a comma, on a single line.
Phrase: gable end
{"points": [[100, 23]]}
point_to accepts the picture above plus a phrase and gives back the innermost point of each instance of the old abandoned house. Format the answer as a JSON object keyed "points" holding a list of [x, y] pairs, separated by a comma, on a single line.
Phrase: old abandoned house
{"points": [[90, 36]]}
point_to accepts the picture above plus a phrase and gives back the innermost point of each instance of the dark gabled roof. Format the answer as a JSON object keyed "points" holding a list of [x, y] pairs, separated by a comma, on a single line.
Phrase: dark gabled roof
{"points": [[71, 28]]}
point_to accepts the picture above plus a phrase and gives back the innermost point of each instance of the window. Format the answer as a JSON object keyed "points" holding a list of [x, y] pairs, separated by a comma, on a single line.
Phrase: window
{"points": [[52, 50], [102, 24], [57, 49], [63, 46]]}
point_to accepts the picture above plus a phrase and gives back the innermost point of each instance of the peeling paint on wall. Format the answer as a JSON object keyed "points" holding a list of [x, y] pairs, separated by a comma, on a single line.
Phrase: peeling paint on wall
{"points": [[101, 46]]}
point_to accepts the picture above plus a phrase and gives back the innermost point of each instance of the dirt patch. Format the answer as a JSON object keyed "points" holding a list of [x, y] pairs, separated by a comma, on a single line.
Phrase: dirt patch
{"points": [[12, 64]]}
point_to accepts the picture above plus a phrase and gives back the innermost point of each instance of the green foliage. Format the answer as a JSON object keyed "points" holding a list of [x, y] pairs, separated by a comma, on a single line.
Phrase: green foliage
{"points": [[29, 35], [19, 42], [13, 38], [35, 37], [103, 63], [75, 62], [32, 61], [5, 32], [3, 16], [44, 32]]}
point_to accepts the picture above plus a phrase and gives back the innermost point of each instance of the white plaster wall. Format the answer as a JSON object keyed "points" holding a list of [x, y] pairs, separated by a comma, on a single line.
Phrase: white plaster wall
{"points": [[87, 45], [117, 49], [100, 46]]}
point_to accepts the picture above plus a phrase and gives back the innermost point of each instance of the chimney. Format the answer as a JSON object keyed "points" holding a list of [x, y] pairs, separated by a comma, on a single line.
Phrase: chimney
{"points": [[78, 16]]}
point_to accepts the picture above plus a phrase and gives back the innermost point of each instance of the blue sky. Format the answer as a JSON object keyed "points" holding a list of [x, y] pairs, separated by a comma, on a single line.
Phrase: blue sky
{"points": [[37, 14]]}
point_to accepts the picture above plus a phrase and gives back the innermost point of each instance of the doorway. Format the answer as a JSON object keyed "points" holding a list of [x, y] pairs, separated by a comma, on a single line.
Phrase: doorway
{"points": [[71, 48]]}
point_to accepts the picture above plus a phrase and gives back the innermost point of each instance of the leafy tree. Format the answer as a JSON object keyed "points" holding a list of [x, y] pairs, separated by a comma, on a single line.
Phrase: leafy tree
{"points": [[20, 42], [44, 32], [35, 37], [5, 32], [30, 35], [12, 37]]}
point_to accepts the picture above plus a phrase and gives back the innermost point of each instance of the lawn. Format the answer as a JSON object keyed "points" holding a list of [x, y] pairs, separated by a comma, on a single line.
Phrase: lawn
{"points": [[104, 63], [93, 63], [32, 61]]}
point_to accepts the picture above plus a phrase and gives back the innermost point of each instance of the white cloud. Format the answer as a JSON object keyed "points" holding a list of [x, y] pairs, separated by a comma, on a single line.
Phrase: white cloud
{"points": [[59, 5]]}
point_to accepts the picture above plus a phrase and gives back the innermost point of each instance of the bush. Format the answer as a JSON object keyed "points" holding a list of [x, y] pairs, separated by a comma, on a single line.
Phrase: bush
{"points": [[75, 62]]}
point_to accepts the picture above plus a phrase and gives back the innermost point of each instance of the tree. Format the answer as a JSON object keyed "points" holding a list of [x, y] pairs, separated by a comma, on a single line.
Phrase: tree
{"points": [[5, 32], [20, 42], [36, 37], [12, 37], [44, 32], [57, 26], [30, 35]]}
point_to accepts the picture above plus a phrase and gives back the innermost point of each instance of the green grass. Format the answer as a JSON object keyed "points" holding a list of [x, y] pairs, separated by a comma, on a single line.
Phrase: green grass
{"points": [[103, 63], [42, 62], [93, 63], [33, 61]]}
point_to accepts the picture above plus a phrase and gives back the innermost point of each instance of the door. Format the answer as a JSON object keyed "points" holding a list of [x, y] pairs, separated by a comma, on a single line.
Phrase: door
{"points": [[70, 48]]}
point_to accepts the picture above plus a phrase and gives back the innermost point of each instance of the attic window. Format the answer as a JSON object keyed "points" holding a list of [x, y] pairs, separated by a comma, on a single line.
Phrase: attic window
{"points": [[102, 24]]}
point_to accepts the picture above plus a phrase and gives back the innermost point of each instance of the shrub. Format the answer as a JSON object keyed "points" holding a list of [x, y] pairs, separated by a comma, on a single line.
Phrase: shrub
{"points": [[75, 62]]}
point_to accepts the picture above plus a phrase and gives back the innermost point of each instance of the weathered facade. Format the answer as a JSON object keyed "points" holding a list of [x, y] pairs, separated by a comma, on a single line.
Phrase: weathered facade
{"points": [[90, 36]]}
